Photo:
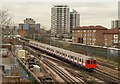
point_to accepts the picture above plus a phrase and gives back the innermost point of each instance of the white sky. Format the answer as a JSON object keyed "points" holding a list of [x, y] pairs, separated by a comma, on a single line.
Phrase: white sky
{"points": [[91, 12]]}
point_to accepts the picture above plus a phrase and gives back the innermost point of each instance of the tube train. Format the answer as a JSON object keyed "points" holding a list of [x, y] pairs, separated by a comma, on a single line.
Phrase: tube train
{"points": [[81, 60]]}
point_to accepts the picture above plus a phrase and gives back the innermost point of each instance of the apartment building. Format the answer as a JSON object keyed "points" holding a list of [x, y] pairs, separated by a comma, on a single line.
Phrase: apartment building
{"points": [[115, 24], [60, 19], [29, 26], [91, 35], [111, 37], [74, 20], [29, 21]]}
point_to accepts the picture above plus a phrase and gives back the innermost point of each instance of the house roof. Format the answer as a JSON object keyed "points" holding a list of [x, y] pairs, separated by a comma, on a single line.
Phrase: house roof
{"points": [[111, 31], [90, 28]]}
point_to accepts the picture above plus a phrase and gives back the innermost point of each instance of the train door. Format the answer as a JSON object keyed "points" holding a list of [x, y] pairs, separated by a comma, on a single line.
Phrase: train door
{"points": [[82, 61]]}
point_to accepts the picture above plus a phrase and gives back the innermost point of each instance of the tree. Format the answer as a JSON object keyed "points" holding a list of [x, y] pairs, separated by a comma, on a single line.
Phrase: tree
{"points": [[5, 20]]}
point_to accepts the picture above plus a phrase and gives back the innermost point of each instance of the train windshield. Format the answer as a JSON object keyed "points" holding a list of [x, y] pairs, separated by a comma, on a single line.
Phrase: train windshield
{"points": [[94, 61], [88, 61], [91, 61]]}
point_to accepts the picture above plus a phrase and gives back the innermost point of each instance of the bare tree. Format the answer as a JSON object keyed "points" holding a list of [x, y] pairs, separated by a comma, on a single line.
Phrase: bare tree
{"points": [[5, 20]]}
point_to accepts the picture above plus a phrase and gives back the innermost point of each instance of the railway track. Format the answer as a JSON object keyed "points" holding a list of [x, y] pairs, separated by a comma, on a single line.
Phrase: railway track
{"points": [[108, 78], [97, 73], [105, 77], [68, 79], [115, 67]]}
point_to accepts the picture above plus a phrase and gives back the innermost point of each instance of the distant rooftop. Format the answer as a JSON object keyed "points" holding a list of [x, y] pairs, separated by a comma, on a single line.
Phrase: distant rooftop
{"points": [[111, 31], [73, 11], [60, 5], [98, 27]]}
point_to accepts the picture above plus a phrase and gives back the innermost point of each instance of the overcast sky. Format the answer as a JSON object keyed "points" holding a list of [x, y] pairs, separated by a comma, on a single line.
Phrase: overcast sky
{"points": [[91, 13]]}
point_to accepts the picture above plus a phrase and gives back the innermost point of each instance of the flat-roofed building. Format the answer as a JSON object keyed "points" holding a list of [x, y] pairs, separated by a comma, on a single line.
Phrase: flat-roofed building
{"points": [[111, 37], [29, 26], [60, 19], [115, 24], [74, 20], [29, 21], [91, 35]]}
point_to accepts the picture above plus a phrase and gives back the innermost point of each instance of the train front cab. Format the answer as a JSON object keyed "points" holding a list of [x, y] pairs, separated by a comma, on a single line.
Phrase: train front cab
{"points": [[91, 64]]}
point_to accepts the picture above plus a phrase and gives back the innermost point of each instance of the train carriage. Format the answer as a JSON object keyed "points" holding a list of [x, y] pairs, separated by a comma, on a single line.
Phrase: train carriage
{"points": [[86, 62]]}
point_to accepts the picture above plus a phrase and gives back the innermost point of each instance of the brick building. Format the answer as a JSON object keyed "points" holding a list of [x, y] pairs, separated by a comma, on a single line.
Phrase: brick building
{"points": [[91, 35], [22, 32], [111, 37]]}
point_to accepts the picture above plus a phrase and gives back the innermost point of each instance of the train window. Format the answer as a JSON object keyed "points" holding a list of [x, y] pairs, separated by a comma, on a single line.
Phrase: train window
{"points": [[75, 58], [64, 54], [60, 53], [80, 60], [56, 51], [51, 49], [94, 61], [68, 56], [88, 61], [71, 57]]}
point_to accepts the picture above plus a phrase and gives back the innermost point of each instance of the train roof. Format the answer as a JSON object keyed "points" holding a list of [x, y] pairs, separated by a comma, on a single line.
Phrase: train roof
{"points": [[73, 53]]}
